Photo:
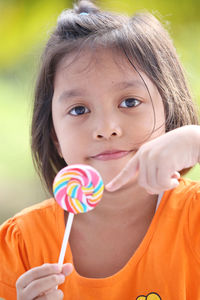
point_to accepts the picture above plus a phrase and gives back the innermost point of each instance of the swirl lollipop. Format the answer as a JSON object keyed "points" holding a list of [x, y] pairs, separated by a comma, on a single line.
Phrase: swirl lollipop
{"points": [[77, 189]]}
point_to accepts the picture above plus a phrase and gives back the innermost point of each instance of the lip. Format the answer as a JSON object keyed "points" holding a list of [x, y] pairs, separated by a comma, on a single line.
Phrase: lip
{"points": [[111, 154]]}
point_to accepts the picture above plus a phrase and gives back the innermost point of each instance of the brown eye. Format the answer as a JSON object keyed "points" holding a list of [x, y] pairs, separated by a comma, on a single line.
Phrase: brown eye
{"points": [[130, 102], [78, 110]]}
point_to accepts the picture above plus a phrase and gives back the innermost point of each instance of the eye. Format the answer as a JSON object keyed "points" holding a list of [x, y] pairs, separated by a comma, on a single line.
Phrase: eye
{"points": [[130, 102], [79, 110]]}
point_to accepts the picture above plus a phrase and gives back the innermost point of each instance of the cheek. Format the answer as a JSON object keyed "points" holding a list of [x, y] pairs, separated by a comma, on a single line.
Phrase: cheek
{"points": [[141, 125], [154, 123], [147, 124], [73, 144]]}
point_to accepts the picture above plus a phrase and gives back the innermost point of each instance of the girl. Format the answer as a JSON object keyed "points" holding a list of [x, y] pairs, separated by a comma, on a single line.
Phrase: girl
{"points": [[111, 94]]}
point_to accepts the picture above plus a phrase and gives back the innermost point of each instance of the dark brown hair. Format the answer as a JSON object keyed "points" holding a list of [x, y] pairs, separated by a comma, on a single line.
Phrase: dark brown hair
{"points": [[145, 43]]}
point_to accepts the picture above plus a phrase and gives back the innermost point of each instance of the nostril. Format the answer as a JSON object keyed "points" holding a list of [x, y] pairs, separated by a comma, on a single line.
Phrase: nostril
{"points": [[99, 136]]}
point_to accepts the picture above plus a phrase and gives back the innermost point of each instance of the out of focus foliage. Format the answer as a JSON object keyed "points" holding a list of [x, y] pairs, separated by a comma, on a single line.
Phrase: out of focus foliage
{"points": [[25, 23], [24, 28]]}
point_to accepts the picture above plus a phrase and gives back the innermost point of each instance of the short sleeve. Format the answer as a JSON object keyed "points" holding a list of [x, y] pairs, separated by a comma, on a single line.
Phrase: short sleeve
{"points": [[194, 223], [13, 258]]}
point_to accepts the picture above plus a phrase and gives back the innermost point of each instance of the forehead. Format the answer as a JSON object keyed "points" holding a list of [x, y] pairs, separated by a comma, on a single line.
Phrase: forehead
{"points": [[80, 59], [107, 66], [95, 60]]}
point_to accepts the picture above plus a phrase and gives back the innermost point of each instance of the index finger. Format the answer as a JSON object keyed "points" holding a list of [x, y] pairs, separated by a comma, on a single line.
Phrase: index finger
{"points": [[126, 175], [36, 273]]}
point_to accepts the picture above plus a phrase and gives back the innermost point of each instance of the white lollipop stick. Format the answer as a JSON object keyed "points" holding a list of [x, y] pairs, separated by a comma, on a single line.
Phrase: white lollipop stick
{"points": [[65, 238]]}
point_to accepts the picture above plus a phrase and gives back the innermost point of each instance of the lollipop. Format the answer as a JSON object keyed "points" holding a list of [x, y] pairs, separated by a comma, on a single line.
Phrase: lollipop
{"points": [[77, 189]]}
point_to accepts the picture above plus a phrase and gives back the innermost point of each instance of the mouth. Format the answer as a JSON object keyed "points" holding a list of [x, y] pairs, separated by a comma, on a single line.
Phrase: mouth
{"points": [[111, 154]]}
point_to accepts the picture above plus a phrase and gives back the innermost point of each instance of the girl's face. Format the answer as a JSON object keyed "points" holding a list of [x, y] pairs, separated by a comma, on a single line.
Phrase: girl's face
{"points": [[102, 111]]}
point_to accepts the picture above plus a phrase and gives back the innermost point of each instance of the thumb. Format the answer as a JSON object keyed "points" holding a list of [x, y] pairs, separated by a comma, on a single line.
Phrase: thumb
{"points": [[67, 269], [126, 175]]}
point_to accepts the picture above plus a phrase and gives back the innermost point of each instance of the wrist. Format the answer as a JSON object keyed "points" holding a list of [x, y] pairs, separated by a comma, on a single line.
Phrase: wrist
{"points": [[192, 136], [197, 138]]}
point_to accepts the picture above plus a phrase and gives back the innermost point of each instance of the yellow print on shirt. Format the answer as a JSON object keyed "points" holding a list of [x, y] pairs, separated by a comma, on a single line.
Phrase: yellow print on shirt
{"points": [[151, 296]]}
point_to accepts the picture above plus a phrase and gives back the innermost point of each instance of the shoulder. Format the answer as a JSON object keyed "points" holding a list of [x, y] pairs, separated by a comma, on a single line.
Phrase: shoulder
{"points": [[194, 220], [182, 196], [20, 240], [29, 215], [182, 203], [38, 208], [14, 229], [39, 219], [17, 231], [188, 186], [185, 199], [181, 209]]}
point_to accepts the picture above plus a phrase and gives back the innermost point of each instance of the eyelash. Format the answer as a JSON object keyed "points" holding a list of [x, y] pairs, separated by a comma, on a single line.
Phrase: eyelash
{"points": [[135, 100], [85, 108], [78, 106]]}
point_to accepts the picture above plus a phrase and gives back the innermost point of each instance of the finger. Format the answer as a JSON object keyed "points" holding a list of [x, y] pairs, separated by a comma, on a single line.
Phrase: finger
{"points": [[167, 177], [174, 183], [36, 273], [176, 175], [152, 178], [168, 184], [156, 187], [153, 192], [142, 176], [43, 285], [147, 177], [153, 182], [48, 291], [67, 269], [54, 295], [156, 184], [125, 176]]}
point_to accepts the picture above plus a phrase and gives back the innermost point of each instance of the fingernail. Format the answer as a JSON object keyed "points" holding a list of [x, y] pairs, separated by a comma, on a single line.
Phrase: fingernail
{"points": [[151, 192], [67, 269], [58, 268], [110, 187]]}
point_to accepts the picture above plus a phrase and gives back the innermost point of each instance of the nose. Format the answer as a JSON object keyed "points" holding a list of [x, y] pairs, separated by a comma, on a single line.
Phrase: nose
{"points": [[107, 130]]}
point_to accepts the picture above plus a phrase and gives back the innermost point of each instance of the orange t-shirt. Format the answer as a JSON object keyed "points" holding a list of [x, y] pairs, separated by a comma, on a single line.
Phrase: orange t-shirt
{"points": [[165, 266]]}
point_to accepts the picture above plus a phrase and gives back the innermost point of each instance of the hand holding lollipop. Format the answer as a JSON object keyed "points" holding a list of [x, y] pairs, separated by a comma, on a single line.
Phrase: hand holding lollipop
{"points": [[77, 189]]}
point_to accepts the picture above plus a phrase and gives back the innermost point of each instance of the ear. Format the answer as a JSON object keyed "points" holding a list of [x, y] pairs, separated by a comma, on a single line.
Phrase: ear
{"points": [[55, 142]]}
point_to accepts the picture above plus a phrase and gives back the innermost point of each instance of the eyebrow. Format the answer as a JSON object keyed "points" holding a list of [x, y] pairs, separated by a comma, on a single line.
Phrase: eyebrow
{"points": [[127, 84], [71, 94], [80, 92]]}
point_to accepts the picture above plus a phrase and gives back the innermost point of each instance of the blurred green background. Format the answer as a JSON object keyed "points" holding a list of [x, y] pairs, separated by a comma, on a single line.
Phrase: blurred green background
{"points": [[24, 28]]}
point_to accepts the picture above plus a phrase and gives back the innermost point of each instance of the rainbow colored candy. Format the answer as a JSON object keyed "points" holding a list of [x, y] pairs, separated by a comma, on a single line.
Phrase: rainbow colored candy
{"points": [[78, 188]]}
